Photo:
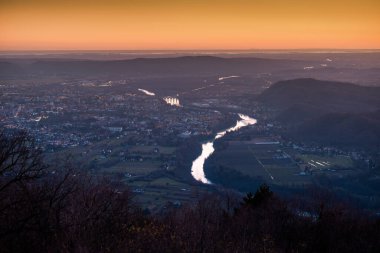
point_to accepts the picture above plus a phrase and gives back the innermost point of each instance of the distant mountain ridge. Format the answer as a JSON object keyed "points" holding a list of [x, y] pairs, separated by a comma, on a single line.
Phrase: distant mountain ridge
{"points": [[185, 65]]}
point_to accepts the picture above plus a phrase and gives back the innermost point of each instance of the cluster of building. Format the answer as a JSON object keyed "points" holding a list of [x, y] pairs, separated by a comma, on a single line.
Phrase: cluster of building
{"points": [[81, 112]]}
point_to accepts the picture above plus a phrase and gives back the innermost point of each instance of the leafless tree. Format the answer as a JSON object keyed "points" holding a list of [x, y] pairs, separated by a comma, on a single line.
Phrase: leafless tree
{"points": [[20, 160]]}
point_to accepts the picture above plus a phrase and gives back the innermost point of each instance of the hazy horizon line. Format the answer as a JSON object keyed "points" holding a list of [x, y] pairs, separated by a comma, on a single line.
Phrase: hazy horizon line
{"points": [[189, 50]]}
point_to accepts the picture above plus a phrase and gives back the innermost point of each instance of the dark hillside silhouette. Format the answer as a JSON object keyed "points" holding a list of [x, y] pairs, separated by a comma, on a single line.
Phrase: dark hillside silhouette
{"points": [[59, 209], [325, 112]]}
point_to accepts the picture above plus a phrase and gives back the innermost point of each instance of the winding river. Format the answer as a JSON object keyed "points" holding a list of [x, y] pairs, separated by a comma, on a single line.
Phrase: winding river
{"points": [[197, 170]]}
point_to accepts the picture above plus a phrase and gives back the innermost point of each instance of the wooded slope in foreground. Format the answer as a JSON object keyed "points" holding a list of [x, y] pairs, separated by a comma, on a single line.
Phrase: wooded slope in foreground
{"points": [[59, 209]]}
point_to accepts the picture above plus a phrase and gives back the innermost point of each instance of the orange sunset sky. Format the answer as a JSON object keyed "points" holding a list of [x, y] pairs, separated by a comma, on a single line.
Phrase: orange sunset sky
{"points": [[188, 24]]}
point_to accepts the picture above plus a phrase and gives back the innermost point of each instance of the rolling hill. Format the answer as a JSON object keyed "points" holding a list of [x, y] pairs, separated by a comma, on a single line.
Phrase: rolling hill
{"points": [[331, 113]]}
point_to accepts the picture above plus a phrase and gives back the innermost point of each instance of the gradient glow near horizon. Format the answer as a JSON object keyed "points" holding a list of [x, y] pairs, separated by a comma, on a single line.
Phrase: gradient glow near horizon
{"points": [[185, 24]]}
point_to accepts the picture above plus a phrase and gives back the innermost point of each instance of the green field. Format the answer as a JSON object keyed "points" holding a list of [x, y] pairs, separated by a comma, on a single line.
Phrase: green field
{"points": [[134, 168], [280, 165], [326, 162], [133, 165], [149, 149], [157, 192], [269, 162], [115, 156]]}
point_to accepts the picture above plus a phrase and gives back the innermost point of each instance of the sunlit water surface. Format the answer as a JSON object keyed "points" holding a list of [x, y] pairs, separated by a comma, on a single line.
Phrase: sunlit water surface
{"points": [[197, 169]]}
